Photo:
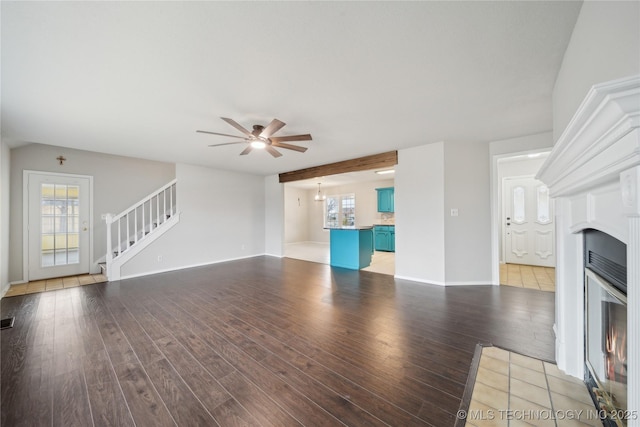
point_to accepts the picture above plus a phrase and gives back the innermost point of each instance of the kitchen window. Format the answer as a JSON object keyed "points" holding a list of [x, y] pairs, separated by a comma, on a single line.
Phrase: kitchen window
{"points": [[340, 211]]}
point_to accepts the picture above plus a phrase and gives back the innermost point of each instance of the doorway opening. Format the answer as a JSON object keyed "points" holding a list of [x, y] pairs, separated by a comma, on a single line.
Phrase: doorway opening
{"points": [[347, 199], [524, 223], [58, 225]]}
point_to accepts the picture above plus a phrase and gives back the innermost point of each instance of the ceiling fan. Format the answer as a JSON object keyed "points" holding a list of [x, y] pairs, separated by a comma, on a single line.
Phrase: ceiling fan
{"points": [[261, 138]]}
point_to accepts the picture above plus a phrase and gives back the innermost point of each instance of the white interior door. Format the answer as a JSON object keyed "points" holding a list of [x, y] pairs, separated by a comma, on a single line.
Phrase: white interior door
{"points": [[59, 225], [528, 222]]}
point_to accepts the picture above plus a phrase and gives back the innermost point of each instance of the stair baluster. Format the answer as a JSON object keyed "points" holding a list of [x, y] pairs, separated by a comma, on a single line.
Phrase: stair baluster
{"points": [[141, 228]]}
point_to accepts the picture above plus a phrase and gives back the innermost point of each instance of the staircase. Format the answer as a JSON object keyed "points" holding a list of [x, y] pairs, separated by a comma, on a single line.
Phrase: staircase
{"points": [[130, 231]]}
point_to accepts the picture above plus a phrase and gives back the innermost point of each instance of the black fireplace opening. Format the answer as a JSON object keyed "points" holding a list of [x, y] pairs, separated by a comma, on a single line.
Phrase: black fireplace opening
{"points": [[606, 325]]}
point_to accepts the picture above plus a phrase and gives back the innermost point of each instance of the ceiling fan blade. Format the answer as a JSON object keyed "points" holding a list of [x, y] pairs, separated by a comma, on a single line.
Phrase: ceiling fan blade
{"points": [[288, 146], [246, 150], [272, 151], [227, 143], [237, 126], [272, 128], [305, 137], [221, 134]]}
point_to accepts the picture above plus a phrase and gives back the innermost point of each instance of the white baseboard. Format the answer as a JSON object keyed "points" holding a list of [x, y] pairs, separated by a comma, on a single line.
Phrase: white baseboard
{"points": [[488, 283], [183, 267], [275, 256], [415, 279], [433, 282]]}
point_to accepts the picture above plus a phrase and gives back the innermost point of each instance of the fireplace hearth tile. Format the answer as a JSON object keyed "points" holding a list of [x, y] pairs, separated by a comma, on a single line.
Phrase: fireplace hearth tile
{"points": [[499, 366], [533, 397], [527, 362], [529, 411], [528, 375], [569, 388], [496, 353], [493, 379], [530, 392], [564, 403], [490, 396], [481, 408]]}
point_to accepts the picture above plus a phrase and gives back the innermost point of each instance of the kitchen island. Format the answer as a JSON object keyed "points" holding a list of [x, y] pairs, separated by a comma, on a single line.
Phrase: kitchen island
{"points": [[351, 247]]}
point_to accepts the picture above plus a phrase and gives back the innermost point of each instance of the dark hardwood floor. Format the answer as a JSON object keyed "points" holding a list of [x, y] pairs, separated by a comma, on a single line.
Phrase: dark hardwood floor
{"points": [[262, 341]]}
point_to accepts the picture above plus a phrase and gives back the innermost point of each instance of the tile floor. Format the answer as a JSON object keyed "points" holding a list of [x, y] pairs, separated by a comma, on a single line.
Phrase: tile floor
{"points": [[382, 262], [514, 390], [528, 276], [54, 284]]}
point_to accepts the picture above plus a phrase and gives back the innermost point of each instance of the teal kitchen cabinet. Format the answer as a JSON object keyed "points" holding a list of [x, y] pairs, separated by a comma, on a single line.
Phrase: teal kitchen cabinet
{"points": [[385, 199], [384, 238]]}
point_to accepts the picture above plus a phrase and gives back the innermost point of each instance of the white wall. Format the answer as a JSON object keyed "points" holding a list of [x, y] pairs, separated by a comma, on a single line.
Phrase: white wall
{"points": [[467, 236], [118, 183], [4, 210], [316, 217], [4, 216], [296, 214], [273, 217], [604, 46], [222, 218], [419, 203]]}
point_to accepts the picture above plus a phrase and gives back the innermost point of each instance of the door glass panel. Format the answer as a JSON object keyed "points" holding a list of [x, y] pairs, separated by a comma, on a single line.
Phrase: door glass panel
{"points": [[59, 213], [543, 204], [518, 205]]}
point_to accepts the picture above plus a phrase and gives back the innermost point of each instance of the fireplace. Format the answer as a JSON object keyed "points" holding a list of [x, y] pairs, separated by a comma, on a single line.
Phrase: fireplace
{"points": [[593, 174], [606, 323], [606, 346]]}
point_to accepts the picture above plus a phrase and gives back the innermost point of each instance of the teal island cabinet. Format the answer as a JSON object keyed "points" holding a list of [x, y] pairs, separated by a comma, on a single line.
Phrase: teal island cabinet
{"points": [[351, 247]]}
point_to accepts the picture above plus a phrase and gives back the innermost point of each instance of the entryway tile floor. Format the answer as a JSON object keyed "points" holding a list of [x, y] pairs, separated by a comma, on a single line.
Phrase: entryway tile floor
{"points": [[528, 276], [55, 284], [515, 390]]}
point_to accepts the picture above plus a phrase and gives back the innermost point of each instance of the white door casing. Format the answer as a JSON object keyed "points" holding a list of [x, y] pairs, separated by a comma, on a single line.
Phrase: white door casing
{"points": [[59, 229], [528, 222]]}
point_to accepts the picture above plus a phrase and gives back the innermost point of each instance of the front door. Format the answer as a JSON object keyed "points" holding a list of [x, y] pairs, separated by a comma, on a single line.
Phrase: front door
{"points": [[59, 225], [528, 222]]}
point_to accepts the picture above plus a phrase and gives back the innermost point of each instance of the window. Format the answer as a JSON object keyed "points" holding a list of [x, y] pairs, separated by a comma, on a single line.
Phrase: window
{"points": [[60, 224], [340, 211]]}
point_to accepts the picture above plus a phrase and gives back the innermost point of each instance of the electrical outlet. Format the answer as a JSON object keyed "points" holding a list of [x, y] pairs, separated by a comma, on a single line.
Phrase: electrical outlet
{"points": [[454, 212]]}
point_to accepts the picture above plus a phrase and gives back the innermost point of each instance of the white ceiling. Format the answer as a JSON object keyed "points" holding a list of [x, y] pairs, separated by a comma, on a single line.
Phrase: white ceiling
{"points": [[138, 78]]}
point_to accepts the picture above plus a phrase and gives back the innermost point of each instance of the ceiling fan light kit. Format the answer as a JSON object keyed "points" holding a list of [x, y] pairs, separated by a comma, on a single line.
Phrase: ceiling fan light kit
{"points": [[262, 138]]}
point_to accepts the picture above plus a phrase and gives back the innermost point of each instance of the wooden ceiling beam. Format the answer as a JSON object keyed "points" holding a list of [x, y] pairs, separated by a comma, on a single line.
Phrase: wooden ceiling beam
{"points": [[376, 161]]}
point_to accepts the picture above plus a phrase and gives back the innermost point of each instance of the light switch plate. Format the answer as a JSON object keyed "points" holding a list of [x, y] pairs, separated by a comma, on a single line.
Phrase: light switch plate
{"points": [[454, 212]]}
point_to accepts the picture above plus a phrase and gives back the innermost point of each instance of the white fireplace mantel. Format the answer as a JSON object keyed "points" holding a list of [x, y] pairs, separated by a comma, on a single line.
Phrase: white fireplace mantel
{"points": [[593, 172]]}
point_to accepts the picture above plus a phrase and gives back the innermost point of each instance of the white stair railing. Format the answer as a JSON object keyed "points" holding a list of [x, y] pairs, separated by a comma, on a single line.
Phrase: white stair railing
{"points": [[139, 221]]}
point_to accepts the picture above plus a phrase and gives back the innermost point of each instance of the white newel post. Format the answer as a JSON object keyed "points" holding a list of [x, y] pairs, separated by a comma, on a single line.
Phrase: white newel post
{"points": [[630, 188]]}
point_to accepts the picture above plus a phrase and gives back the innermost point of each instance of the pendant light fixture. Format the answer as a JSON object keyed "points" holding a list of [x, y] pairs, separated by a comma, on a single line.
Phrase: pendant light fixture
{"points": [[319, 197]]}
